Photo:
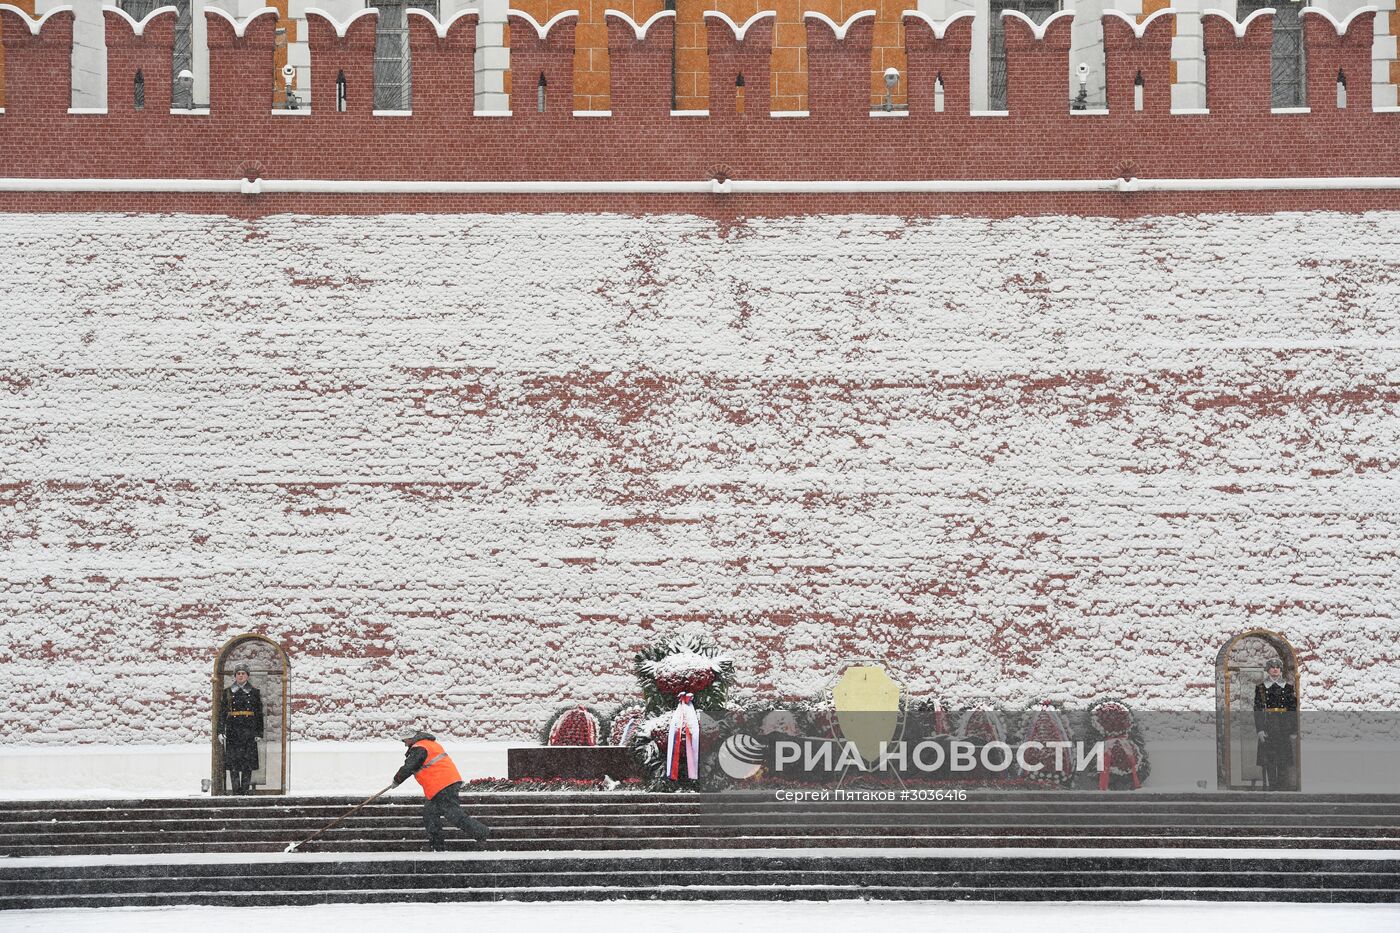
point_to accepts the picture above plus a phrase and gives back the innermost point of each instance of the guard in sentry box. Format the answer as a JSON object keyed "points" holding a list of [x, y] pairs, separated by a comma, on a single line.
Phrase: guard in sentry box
{"points": [[426, 761]]}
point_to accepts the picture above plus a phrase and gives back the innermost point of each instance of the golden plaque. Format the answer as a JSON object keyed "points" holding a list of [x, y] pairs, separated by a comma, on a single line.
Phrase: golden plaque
{"points": [[867, 708]]}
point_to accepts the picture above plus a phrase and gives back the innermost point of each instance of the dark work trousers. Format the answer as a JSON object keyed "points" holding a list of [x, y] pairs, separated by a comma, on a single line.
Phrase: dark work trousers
{"points": [[446, 806]]}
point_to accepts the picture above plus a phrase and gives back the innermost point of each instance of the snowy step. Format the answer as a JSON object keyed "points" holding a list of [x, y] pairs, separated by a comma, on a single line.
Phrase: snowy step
{"points": [[542, 822], [1098, 877]]}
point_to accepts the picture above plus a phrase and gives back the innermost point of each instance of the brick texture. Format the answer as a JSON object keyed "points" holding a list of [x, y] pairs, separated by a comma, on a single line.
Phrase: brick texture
{"points": [[463, 466], [442, 140]]}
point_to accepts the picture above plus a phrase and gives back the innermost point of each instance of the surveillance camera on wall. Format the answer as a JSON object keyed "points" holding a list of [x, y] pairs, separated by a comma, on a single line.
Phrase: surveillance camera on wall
{"points": [[186, 76], [288, 73], [891, 77], [1083, 69]]}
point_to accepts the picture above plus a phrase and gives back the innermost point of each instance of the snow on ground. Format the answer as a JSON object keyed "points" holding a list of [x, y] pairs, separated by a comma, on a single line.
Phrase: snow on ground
{"points": [[731, 917], [464, 466]]}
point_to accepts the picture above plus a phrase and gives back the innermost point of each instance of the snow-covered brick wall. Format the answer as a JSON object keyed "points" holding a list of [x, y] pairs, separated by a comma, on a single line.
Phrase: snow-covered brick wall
{"points": [[462, 467]]}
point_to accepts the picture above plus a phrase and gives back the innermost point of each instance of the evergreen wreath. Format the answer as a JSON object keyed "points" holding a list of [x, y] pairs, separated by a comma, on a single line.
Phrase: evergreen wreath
{"points": [[1113, 724], [681, 664], [684, 664]]}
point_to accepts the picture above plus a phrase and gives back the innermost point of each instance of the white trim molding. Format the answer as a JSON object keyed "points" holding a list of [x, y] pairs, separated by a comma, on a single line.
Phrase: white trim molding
{"points": [[139, 28], [940, 27], [1140, 29], [842, 28], [1240, 26], [711, 186], [340, 28], [542, 29], [441, 27], [643, 28], [738, 30], [240, 27], [36, 24]]}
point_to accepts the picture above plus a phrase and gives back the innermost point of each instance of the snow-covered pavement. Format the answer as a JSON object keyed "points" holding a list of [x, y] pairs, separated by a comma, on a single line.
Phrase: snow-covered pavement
{"points": [[732, 917]]}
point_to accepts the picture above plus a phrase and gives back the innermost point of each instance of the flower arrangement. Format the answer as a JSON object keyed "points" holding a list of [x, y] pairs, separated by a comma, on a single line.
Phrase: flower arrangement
{"points": [[577, 725], [623, 723], [685, 664], [1125, 761], [686, 682], [1046, 724]]}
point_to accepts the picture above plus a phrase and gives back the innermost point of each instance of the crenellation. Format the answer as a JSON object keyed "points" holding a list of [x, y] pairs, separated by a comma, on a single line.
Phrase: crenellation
{"points": [[1237, 53], [836, 57], [542, 50], [1037, 54], [642, 133], [738, 50], [442, 52]]}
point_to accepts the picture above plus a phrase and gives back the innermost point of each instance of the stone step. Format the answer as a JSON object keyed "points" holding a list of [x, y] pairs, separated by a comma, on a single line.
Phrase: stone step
{"points": [[700, 844], [178, 882], [716, 809], [1130, 891], [19, 834], [977, 796]]}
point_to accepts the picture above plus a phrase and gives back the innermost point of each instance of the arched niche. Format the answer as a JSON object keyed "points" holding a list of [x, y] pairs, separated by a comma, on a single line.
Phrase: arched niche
{"points": [[268, 671], [1239, 667]]}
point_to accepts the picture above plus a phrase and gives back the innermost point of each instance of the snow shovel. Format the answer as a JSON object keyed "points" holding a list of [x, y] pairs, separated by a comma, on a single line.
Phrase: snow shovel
{"points": [[340, 819]]}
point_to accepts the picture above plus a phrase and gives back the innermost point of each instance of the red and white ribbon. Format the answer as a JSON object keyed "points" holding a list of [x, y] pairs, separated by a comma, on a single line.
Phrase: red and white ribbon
{"points": [[683, 734]]}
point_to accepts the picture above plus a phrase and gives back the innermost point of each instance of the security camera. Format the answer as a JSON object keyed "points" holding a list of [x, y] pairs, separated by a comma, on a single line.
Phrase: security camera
{"points": [[288, 73], [186, 76], [891, 77], [1083, 69]]}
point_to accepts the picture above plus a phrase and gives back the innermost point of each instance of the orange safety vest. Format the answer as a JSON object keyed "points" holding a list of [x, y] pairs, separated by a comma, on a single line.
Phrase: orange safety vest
{"points": [[438, 771]]}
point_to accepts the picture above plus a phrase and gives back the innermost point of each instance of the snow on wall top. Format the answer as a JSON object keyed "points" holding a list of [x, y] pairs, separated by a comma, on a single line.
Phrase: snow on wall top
{"points": [[462, 467]]}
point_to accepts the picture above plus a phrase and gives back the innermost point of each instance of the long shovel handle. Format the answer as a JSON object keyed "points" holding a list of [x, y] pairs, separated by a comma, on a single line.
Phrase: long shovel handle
{"points": [[340, 819]]}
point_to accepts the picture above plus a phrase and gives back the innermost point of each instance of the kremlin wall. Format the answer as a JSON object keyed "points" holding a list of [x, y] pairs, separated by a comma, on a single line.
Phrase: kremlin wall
{"points": [[465, 402]]}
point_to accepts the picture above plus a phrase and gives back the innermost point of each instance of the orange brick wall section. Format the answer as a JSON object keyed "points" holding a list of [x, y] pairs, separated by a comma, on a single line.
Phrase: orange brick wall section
{"points": [[279, 56], [789, 61], [28, 7], [1148, 8], [1395, 31]]}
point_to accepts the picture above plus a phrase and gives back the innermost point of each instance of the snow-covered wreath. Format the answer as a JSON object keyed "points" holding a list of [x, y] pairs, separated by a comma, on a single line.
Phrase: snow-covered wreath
{"points": [[686, 682], [577, 725], [1046, 724], [1125, 763]]}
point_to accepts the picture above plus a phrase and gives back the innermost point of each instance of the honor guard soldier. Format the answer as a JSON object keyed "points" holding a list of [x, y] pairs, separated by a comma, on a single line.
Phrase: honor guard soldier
{"points": [[240, 727], [1276, 719]]}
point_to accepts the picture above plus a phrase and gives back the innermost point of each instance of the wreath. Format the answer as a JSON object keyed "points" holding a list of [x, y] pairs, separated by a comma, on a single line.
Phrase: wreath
{"points": [[686, 683], [1045, 723], [577, 725], [685, 664], [1125, 761], [622, 724]]}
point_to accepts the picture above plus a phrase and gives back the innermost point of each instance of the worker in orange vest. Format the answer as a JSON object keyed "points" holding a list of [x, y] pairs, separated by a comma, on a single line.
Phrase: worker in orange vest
{"points": [[426, 761]]}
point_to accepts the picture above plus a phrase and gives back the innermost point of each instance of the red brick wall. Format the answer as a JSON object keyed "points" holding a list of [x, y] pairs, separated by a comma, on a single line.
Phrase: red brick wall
{"points": [[463, 466], [442, 140]]}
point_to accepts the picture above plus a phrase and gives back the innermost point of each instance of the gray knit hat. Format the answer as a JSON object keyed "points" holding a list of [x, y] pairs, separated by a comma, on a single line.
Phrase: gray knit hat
{"points": [[414, 734]]}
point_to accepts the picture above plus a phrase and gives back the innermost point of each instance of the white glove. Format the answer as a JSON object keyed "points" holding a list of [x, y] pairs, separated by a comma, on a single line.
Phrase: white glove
{"points": [[223, 740], [1263, 736]]}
